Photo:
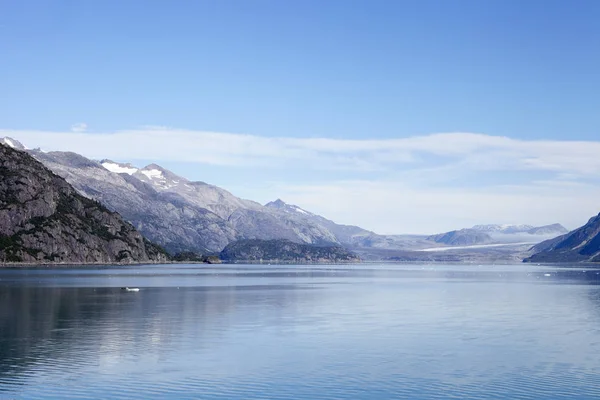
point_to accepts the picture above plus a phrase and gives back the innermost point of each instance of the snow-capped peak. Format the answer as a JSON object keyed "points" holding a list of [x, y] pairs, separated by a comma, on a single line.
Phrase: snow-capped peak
{"points": [[119, 168], [15, 144]]}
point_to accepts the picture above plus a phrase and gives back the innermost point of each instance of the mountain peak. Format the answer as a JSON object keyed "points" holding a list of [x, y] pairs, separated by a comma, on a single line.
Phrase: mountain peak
{"points": [[154, 166], [161, 178], [289, 208], [10, 142], [276, 204]]}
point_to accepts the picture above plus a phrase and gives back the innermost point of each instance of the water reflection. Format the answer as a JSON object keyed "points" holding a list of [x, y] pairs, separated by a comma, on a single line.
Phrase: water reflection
{"points": [[302, 333]]}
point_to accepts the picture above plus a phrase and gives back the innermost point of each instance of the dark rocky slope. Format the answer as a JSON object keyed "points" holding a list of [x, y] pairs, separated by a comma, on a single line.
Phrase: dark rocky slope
{"points": [[285, 251], [580, 245], [44, 219]]}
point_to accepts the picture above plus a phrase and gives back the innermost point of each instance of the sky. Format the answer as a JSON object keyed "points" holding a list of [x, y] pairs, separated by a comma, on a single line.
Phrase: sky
{"points": [[399, 116]]}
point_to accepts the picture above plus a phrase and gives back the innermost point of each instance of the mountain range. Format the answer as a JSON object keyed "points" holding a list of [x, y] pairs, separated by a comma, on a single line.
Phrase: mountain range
{"points": [[182, 215], [191, 216]]}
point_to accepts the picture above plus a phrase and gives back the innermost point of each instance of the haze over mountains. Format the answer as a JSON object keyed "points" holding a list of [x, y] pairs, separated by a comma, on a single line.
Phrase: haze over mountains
{"points": [[183, 215]]}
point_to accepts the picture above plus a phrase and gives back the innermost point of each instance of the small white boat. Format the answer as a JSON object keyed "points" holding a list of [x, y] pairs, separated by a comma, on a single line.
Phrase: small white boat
{"points": [[131, 289]]}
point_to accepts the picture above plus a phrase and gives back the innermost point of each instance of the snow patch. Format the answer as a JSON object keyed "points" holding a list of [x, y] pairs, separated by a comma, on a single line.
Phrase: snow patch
{"points": [[119, 169], [153, 174], [9, 142], [301, 211]]}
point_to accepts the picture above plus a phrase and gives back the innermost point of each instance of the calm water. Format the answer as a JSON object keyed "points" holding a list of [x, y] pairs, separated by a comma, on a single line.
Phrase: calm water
{"points": [[287, 332]]}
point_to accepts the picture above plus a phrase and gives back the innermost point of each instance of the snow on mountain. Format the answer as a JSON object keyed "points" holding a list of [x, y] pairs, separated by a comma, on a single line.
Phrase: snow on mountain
{"points": [[503, 228], [507, 229], [119, 168], [158, 177], [15, 144]]}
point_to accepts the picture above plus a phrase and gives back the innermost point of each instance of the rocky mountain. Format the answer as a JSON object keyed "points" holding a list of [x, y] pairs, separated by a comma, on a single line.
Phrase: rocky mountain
{"points": [[580, 245], [554, 229], [285, 251], [463, 237], [187, 216], [44, 219], [183, 215]]}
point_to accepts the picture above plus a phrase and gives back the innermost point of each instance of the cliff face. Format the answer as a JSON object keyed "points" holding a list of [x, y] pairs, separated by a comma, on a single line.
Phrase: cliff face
{"points": [[43, 219], [285, 251]]}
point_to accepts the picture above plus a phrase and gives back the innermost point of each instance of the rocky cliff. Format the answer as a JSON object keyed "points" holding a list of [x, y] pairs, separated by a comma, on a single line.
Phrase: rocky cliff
{"points": [[44, 219]]}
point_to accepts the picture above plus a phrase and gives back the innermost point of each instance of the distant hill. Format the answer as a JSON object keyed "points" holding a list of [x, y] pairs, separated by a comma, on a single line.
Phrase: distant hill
{"points": [[285, 251], [463, 237], [580, 245], [553, 229], [43, 219], [493, 233]]}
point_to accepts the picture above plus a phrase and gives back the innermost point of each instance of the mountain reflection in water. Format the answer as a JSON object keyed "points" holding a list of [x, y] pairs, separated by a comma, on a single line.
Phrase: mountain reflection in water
{"points": [[366, 332]]}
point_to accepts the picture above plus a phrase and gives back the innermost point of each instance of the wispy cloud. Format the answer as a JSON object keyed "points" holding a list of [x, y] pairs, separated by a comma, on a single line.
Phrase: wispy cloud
{"points": [[79, 127], [421, 184], [467, 149]]}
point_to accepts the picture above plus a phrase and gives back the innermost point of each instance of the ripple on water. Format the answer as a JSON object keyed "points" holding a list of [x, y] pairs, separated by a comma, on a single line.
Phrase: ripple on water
{"points": [[305, 333]]}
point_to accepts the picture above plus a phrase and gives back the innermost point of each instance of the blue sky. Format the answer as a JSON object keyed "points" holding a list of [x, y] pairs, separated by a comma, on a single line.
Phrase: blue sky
{"points": [[339, 70]]}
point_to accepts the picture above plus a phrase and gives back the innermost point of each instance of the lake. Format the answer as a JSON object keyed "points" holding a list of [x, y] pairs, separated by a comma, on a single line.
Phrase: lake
{"points": [[300, 332]]}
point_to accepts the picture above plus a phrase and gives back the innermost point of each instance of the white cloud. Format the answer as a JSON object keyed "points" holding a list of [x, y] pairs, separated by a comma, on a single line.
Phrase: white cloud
{"points": [[466, 149], [413, 184], [79, 127]]}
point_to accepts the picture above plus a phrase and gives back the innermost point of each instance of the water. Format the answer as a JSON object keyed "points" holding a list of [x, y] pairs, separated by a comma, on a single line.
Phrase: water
{"points": [[297, 332]]}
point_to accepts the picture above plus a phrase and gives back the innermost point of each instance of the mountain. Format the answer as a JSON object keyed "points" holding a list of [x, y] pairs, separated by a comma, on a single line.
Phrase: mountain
{"points": [[497, 234], [489, 228], [344, 234], [463, 237], [163, 217], [187, 216], [580, 245], [44, 219], [285, 251], [554, 229], [12, 143]]}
